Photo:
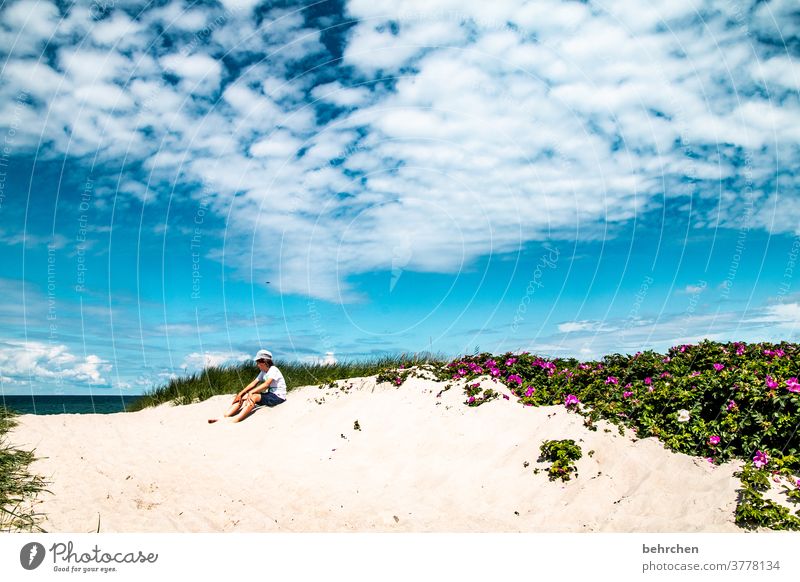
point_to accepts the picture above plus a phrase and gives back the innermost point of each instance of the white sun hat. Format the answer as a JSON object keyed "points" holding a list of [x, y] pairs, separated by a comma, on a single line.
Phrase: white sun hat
{"points": [[263, 355]]}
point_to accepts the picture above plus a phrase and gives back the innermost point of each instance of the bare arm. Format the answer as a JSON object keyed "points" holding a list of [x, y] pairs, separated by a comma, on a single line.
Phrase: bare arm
{"points": [[246, 389]]}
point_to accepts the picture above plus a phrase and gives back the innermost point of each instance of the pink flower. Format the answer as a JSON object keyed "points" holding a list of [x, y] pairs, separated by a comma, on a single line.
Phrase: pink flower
{"points": [[718, 367], [760, 459], [648, 380], [612, 380], [683, 348], [490, 364], [398, 381], [530, 391], [770, 381], [739, 349], [731, 405], [478, 370], [505, 397], [797, 484], [666, 360], [713, 440], [476, 385], [494, 372], [571, 400], [462, 372], [665, 374], [695, 373], [627, 394], [515, 378], [779, 353], [471, 400], [510, 361], [792, 385], [710, 460], [583, 366]]}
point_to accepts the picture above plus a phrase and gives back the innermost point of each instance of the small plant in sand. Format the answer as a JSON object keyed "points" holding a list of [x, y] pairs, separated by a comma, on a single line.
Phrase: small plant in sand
{"points": [[393, 376], [476, 395], [18, 487], [562, 454]]}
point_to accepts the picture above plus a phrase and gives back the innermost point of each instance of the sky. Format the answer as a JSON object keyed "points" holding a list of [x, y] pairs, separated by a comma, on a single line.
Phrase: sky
{"points": [[183, 183]]}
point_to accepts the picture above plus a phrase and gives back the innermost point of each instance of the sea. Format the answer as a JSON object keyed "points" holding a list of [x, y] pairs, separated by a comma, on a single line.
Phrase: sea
{"points": [[60, 404]]}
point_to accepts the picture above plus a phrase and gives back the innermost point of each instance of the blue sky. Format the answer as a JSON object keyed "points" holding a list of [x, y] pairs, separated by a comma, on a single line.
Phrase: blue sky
{"points": [[568, 178]]}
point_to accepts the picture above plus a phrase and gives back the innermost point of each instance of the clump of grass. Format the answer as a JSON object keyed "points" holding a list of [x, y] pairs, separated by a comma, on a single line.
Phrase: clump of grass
{"points": [[231, 379], [18, 487]]}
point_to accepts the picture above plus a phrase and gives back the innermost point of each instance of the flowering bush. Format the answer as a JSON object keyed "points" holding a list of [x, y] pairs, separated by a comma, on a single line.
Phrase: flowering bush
{"points": [[713, 400]]}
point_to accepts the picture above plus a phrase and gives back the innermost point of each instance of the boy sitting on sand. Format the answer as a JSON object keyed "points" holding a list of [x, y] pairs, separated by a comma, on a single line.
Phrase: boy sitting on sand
{"points": [[268, 389]]}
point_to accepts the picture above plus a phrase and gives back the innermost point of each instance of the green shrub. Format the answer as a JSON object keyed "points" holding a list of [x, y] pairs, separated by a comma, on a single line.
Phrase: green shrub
{"points": [[562, 455]]}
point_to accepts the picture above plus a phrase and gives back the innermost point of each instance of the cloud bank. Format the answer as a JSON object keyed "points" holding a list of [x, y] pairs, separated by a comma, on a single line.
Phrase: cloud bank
{"points": [[427, 133]]}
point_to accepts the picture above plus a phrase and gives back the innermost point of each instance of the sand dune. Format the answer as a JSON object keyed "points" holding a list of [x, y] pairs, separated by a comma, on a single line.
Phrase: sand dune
{"points": [[419, 463]]}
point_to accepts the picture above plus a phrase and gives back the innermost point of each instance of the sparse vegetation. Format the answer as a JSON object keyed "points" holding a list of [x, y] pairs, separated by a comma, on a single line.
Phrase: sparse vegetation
{"points": [[18, 487]]}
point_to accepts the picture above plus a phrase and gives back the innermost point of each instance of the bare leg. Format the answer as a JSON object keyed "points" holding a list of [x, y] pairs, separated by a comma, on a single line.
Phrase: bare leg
{"points": [[246, 410], [234, 408], [231, 411]]}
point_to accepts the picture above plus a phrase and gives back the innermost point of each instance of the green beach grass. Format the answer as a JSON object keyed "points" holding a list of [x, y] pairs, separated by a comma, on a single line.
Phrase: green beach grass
{"points": [[230, 379], [18, 487]]}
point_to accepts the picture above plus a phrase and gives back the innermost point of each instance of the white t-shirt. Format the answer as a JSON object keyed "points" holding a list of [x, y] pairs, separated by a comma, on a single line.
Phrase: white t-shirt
{"points": [[277, 383]]}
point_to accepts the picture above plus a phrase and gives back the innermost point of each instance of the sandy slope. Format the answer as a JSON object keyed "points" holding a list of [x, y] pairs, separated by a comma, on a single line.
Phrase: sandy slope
{"points": [[419, 463]]}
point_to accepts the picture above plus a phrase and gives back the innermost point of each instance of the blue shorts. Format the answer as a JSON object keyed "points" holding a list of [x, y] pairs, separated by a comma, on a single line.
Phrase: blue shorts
{"points": [[269, 399]]}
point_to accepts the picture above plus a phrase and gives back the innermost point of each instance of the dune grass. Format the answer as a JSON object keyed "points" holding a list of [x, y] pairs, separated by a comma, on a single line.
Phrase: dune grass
{"points": [[18, 487], [230, 379]]}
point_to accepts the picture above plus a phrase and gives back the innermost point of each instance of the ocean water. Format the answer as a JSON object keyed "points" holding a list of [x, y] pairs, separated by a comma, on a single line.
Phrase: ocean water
{"points": [[66, 404]]}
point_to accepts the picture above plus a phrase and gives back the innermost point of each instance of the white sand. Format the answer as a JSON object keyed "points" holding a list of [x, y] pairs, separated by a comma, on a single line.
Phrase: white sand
{"points": [[419, 463]]}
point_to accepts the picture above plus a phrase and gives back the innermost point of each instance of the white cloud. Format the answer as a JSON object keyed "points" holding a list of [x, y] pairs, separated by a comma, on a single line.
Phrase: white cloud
{"points": [[200, 73], [118, 31], [86, 67], [573, 326], [340, 95], [103, 96], [693, 289], [329, 359], [40, 18], [779, 322], [31, 240], [280, 144], [51, 363], [783, 315], [196, 361]]}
